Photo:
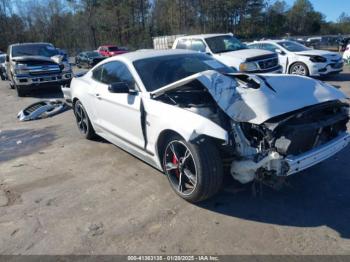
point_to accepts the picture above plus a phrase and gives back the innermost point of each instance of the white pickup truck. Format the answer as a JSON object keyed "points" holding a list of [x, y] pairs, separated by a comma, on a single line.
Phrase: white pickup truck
{"points": [[228, 50]]}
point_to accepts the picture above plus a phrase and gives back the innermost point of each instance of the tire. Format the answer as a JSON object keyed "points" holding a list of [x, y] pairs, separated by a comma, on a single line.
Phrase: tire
{"points": [[20, 91], [83, 121], [194, 170], [299, 69]]}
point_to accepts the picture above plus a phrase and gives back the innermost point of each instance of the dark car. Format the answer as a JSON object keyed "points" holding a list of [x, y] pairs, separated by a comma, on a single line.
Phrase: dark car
{"points": [[88, 59], [3, 74]]}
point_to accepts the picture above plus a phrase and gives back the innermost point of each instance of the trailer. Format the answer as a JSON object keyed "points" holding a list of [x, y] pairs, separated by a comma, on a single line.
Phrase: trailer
{"points": [[164, 42]]}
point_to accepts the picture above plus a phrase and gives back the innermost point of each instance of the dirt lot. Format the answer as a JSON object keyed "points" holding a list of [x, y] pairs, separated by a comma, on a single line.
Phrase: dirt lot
{"points": [[61, 194]]}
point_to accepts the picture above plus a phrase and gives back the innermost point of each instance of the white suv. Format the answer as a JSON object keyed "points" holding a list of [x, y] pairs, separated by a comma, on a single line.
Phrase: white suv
{"points": [[298, 59], [230, 51]]}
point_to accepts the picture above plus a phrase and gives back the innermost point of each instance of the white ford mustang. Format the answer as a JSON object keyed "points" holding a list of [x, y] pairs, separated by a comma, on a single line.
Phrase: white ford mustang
{"points": [[190, 116]]}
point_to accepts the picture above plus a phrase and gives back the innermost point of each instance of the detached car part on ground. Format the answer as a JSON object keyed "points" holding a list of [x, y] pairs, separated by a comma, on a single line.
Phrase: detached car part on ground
{"points": [[42, 109], [36, 65], [192, 117]]}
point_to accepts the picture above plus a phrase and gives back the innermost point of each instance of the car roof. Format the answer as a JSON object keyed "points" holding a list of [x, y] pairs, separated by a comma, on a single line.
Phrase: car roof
{"points": [[149, 53], [202, 36]]}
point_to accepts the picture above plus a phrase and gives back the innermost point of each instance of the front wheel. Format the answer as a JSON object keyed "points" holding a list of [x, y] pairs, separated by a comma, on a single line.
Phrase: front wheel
{"points": [[299, 69], [194, 170]]}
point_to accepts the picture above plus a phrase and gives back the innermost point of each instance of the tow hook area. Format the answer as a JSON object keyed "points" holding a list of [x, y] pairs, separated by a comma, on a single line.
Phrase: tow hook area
{"points": [[246, 171]]}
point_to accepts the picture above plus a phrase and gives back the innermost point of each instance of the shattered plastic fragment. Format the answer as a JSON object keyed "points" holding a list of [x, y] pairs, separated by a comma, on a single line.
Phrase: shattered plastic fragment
{"points": [[42, 109]]}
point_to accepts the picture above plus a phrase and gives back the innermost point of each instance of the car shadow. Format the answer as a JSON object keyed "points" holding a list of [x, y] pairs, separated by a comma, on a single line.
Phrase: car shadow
{"points": [[317, 197], [337, 78], [46, 94]]}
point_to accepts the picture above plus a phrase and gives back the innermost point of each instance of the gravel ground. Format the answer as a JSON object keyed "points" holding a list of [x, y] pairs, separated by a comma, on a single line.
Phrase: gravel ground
{"points": [[61, 194]]}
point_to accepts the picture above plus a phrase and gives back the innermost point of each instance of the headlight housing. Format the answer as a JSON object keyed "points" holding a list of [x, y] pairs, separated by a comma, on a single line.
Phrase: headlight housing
{"points": [[248, 66], [21, 69], [318, 59]]}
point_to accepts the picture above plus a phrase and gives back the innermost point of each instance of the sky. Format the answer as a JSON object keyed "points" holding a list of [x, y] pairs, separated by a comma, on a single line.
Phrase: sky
{"points": [[330, 8]]}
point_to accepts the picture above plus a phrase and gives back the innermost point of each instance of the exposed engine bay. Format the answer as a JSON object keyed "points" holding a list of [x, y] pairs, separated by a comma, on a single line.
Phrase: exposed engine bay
{"points": [[261, 151]]}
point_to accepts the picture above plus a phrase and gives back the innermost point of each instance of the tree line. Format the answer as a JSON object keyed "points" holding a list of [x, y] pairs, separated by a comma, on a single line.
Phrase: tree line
{"points": [[85, 24]]}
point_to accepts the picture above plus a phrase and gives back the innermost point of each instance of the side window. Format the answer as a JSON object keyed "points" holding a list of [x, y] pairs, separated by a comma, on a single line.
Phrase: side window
{"points": [[97, 73], [254, 46], [198, 45], [183, 44], [115, 72], [270, 47]]}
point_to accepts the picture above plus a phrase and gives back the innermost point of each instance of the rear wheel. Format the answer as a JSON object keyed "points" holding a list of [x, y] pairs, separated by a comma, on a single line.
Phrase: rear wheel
{"points": [[194, 170], [83, 121]]}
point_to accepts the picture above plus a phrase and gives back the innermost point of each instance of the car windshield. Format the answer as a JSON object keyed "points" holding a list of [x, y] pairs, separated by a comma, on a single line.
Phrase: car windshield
{"points": [[293, 46], [113, 48], [224, 43], [93, 54], [34, 50], [160, 71], [2, 59]]}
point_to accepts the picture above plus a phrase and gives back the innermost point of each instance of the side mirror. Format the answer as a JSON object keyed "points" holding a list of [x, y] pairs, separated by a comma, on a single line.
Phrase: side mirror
{"points": [[119, 88], [7, 58], [279, 51]]}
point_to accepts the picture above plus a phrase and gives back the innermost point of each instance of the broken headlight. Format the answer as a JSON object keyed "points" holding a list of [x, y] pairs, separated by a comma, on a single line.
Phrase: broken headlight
{"points": [[318, 59]]}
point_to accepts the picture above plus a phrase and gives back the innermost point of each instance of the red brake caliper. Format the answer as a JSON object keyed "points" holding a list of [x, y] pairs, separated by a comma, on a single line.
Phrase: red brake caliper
{"points": [[175, 162]]}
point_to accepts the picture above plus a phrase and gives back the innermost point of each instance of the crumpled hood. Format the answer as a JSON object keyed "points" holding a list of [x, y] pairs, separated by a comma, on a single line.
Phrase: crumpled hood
{"points": [[56, 59], [246, 53], [277, 94]]}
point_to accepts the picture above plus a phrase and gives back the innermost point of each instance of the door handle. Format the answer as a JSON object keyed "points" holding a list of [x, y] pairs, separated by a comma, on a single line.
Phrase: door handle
{"points": [[98, 96]]}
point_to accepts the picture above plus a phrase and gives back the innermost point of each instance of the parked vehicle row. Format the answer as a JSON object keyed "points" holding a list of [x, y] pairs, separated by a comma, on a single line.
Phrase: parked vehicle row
{"points": [[266, 56], [186, 114], [30, 66]]}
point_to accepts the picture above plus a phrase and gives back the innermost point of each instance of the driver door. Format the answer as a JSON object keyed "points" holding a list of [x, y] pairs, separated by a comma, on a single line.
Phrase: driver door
{"points": [[118, 114]]}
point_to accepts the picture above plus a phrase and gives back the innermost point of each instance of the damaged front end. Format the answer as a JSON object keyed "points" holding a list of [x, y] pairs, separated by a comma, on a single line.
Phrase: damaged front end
{"points": [[289, 143], [277, 125]]}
